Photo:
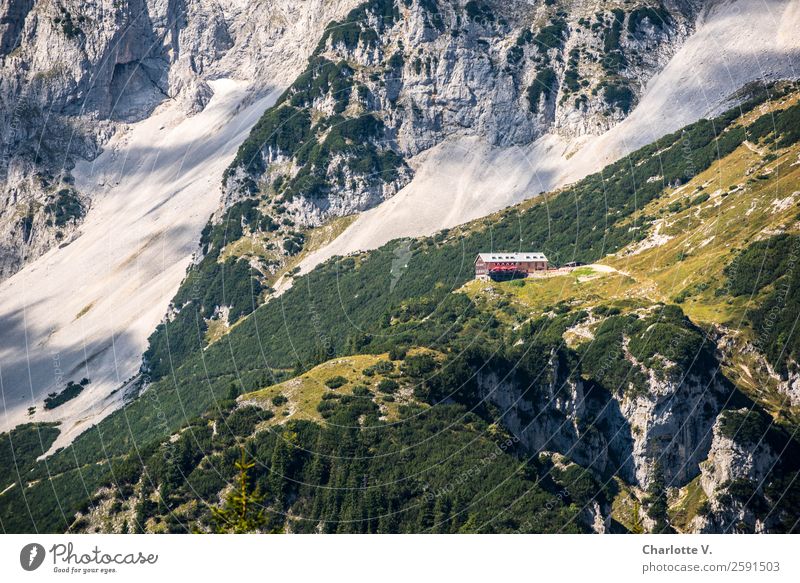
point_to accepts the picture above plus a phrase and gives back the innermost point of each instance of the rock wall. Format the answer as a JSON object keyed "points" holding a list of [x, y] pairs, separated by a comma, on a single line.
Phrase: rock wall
{"points": [[508, 72], [670, 424], [730, 462]]}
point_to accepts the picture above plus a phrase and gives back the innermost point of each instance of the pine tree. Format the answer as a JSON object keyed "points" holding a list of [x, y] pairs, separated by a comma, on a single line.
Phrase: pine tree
{"points": [[243, 510], [441, 514], [425, 518]]}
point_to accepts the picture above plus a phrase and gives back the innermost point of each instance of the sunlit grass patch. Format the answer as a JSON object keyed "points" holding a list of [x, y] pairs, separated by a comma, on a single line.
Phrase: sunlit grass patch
{"points": [[625, 508], [689, 500], [300, 397]]}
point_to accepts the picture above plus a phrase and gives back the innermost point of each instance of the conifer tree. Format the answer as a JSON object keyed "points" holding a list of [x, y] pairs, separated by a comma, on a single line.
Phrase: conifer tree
{"points": [[243, 509]]}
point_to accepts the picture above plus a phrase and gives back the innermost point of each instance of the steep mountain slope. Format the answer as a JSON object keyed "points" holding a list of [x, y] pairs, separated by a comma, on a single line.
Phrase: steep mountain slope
{"points": [[86, 308], [398, 100], [71, 71], [609, 398], [134, 248], [394, 79], [692, 256]]}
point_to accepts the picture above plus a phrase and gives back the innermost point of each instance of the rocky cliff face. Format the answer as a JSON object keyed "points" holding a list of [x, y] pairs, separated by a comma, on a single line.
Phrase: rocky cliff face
{"points": [[732, 479], [644, 401], [673, 434], [72, 73], [670, 424], [394, 79]]}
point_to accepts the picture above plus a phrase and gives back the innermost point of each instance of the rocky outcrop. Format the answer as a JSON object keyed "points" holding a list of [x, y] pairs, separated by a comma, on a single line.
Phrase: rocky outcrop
{"points": [[730, 460], [733, 478], [669, 424], [790, 386], [12, 19], [670, 434], [654, 418], [553, 421]]}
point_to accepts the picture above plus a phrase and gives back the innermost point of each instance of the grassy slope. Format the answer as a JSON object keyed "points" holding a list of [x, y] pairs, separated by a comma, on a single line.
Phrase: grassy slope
{"points": [[304, 393], [688, 243]]}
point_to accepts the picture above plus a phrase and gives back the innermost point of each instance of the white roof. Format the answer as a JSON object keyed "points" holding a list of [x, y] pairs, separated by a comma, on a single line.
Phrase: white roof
{"points": [[512, 257]]}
